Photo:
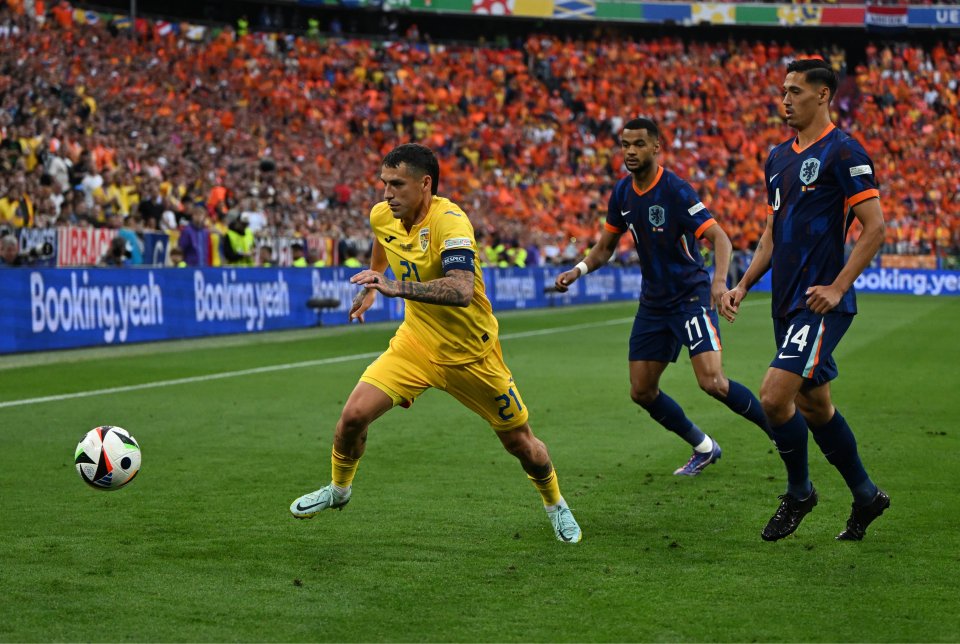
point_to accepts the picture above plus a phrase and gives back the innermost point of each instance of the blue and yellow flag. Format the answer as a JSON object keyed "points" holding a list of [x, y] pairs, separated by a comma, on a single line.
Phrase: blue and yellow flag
{"points": [[575, 9]]}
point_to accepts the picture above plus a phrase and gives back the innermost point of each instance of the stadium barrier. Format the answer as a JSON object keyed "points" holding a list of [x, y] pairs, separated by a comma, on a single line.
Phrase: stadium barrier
{"points": [[49, 308]]}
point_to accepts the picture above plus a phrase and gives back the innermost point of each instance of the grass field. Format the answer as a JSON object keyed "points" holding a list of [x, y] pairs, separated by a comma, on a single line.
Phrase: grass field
{"points": [[444, 539]]}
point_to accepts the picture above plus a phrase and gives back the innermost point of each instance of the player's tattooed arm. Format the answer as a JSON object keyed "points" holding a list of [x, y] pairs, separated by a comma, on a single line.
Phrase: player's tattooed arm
{"points": [[453, 289]]}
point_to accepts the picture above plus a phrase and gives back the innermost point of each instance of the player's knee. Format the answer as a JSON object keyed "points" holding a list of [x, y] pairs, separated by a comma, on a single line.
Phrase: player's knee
{"points": [[714, 384], [642, 396], [522, 444], [805, 407], [354, 419], [776, 410], [816, 413]]}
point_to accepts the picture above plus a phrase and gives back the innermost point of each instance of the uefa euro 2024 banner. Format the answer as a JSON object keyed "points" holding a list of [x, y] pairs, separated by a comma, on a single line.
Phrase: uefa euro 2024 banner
{"points": [[49, 308]]}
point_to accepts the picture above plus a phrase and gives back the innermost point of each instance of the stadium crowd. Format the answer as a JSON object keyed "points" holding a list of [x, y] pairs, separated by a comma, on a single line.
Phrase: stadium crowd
{"points": [[282, 135]]}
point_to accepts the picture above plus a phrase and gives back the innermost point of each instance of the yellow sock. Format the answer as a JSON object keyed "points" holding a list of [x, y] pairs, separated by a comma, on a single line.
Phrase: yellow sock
{"points": [[548, 488], [343, 469]]}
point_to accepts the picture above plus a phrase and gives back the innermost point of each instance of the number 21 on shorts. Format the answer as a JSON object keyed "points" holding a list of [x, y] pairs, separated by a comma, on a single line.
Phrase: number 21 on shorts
{"points": [[506, 400]]}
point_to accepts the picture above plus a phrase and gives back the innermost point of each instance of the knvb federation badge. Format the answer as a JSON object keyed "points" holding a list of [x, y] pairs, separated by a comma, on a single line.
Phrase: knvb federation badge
{"points": [[657, 215], [424, 238], [809, 171]]}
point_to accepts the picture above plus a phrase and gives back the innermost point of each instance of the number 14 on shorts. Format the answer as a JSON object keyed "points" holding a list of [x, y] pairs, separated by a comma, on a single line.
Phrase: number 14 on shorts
{"points": [[790, 338]]}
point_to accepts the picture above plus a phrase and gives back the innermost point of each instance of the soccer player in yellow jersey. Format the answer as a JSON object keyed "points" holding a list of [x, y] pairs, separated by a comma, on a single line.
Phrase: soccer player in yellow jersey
{"points": [[448, 338]]}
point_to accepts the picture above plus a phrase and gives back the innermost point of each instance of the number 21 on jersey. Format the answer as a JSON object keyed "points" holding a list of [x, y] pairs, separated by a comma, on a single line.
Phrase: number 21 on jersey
{"points": [[409, 268]]}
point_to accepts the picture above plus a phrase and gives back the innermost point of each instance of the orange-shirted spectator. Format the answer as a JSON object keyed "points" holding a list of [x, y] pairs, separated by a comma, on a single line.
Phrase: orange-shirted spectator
{"points": [[524, 134]]}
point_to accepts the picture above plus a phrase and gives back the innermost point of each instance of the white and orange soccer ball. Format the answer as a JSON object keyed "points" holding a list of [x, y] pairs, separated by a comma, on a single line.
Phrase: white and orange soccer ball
{"points": [[108, 457]]}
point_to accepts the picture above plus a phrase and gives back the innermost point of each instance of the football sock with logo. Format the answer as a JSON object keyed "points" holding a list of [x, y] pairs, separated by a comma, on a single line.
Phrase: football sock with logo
{"points": [[838, 444], [548, 488], [668, 413], [343, 469], [741, 400], [791, 441]]}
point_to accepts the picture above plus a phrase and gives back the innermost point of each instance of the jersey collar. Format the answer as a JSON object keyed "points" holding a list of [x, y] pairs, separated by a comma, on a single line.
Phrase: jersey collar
{"points": [[796, 141], [655, 181]]}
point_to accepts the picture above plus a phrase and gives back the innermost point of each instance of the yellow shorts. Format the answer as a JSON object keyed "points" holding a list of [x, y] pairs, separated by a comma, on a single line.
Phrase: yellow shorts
{"points": [[486, 386]]}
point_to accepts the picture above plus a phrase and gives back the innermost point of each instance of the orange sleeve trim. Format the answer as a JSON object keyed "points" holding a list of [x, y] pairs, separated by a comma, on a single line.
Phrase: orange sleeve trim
{"points": [[859, 198], [769, 209], [612, 229], [703, 227]]}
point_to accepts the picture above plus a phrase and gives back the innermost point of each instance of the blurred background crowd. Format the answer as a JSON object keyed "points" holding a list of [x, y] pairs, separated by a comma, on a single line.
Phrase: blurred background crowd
{"points": [[239, 138]]}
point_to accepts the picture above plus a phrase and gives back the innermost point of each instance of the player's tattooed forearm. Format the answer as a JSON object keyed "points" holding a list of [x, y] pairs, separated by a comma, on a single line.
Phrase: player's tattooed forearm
{"points": [[453, 290]]}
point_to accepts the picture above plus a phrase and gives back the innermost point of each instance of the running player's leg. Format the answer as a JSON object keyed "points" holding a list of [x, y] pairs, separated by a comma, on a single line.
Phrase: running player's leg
{"points": [[654, 345], [487, 388], [708, 368], [778, 396], [701, 334], [839, 445], [400, 374], [789, 431], [535, 460], [646, 392]]}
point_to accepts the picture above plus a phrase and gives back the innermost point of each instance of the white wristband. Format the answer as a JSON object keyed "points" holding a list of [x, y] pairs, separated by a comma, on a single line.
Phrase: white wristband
{"points": [[583, 268]]}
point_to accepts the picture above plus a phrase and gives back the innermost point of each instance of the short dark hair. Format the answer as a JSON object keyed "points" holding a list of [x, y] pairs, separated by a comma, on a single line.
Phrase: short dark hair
{"points": [[643, 123], [816, 71], [418, 157]]}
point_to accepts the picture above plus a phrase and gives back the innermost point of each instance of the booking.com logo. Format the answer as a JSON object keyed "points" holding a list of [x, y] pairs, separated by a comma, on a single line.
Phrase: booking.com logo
{"points": [[896, 280]]}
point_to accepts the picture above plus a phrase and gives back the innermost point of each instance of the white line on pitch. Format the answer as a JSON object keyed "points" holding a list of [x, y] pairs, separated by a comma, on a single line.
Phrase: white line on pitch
{"points": [[279, 367]]}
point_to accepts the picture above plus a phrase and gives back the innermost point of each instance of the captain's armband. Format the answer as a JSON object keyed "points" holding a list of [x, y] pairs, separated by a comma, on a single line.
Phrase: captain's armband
{"points": [[458, 259]]}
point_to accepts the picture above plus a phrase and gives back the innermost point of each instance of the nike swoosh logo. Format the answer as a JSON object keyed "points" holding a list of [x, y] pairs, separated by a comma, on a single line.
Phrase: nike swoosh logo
{"points": [[774, 177], [695, 345], [783, 357], [389, 238], [303, 508], [624, 213]]}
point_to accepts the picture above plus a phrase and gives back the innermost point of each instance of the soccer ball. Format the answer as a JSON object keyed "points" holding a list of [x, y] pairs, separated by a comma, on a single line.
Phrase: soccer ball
{"points": [[108, 457]]}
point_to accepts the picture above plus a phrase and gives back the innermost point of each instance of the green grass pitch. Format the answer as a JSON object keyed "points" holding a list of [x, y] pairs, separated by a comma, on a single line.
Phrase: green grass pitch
{"points": [[445, 539]]}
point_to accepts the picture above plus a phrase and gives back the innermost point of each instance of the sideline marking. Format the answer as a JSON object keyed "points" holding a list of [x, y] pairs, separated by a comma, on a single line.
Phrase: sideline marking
{"points": [[279, 367]]}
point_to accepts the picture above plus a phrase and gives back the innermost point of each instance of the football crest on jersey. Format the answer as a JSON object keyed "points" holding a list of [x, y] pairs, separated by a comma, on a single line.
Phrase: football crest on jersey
{"points": [[424, 238], [809, 171], [657, 215]]}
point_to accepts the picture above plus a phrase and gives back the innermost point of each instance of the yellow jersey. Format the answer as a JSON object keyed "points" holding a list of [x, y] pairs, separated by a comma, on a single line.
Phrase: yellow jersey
{"points": [[448, 334]]}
